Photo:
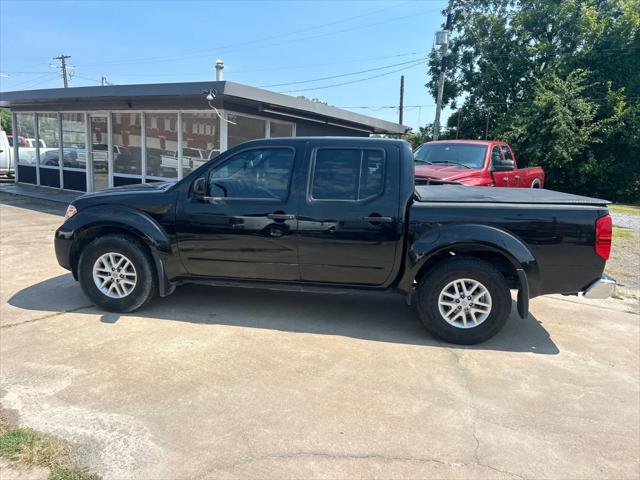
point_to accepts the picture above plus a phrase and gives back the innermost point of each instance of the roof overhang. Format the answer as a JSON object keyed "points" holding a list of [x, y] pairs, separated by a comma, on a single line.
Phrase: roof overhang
{"points": [[263, 100]]}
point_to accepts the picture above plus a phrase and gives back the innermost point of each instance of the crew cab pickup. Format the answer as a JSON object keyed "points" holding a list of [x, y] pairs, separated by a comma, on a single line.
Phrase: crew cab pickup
{"points": [[473, 162], [336, 214]]}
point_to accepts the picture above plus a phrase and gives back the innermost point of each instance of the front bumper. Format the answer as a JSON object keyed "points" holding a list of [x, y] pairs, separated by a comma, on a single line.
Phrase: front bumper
{"points": [[604, 287], [63, 242]]}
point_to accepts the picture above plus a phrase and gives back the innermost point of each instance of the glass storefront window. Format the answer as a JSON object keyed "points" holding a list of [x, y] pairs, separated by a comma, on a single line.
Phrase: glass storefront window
{"points": [[278, 129], [74, 146], [26, 138], [200, 139], [127, 143], [162, 144], [49, 135], [245, 128]]}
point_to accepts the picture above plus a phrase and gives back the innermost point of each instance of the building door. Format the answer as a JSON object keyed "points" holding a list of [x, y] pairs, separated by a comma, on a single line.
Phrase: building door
{"points": [[99, 152]]}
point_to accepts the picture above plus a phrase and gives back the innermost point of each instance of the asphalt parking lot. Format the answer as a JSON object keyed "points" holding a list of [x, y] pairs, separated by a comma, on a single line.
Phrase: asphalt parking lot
{"points": [[237, 383]]}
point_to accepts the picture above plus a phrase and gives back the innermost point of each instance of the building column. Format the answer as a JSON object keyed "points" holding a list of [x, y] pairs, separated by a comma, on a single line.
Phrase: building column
{"points": [[14, 128], [179, 147]]}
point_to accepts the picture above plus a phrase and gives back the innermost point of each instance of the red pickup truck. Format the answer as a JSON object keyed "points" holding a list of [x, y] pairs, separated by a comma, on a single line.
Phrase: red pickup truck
{"points": [[481, 163]]}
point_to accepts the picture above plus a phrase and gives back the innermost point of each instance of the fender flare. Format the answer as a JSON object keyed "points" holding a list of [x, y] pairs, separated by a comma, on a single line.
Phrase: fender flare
{"points": [[132, 221], [473, 238]]}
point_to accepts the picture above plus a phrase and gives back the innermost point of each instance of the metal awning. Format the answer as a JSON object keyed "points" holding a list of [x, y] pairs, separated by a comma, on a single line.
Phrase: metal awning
{"points": [[263, 100]]}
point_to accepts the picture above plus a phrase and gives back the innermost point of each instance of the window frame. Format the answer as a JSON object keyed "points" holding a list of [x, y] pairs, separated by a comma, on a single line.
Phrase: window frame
{"points": [[499, 147], [312, 170], [244, 150], [505, 149]]}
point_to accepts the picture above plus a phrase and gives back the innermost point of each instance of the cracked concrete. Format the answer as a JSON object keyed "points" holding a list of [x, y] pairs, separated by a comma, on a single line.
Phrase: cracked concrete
{"points": [[217, 382]]}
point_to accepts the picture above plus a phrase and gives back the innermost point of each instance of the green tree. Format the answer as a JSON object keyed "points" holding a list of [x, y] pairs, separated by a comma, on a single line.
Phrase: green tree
{"points": [[558, 78], [5, 120]]}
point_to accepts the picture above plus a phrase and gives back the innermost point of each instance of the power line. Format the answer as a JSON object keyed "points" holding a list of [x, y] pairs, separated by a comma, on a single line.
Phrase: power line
{"points": [[87, 78], [36, 79], [524, 102], [343, 75], [282, 68], [26, 73], [211, 51], [354, 81], [329, 63]]}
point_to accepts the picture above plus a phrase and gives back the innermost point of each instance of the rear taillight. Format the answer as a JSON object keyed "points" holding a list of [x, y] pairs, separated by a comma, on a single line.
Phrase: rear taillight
{"points": [[604, 234]]}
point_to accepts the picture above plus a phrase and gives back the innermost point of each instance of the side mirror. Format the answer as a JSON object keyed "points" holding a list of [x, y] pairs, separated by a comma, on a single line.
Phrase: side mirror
{"points": [[504, 166], [200, 187]]}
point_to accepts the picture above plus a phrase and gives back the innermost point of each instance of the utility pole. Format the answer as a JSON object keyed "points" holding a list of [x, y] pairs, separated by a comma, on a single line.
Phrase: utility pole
{"points": [[442, 39], [63, 68], [486, 125], [401, 99]]}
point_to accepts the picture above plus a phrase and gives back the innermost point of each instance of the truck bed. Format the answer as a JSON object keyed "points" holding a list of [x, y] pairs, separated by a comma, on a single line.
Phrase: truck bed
{"points": [[465, 194]]}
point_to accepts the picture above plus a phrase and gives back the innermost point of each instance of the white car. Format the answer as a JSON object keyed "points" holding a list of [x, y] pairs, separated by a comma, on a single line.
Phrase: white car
{"points": [[6, 156], [192, 158], [31, 143]]}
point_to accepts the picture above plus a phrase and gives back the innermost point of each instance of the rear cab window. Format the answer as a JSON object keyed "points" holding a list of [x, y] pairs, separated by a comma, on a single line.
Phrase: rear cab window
{"points": [[347, 174]]}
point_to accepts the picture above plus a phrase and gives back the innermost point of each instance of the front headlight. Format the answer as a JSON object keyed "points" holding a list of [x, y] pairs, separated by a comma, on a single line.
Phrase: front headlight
{"points": [[71, 211]]}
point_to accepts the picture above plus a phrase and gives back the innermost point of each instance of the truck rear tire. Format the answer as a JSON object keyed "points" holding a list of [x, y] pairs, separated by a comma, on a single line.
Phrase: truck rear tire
{"points": [[116, 273], [463, 300]]}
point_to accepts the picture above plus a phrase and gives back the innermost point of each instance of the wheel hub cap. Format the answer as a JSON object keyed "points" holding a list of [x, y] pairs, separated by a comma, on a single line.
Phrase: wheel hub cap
{"points": [[464, 303], [114, 275]]}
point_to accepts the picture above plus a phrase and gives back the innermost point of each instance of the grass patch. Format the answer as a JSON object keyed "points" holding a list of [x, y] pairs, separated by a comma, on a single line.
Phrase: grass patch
{"points": [[72, 473], [29, 448], [621, 232], [624, 209]]}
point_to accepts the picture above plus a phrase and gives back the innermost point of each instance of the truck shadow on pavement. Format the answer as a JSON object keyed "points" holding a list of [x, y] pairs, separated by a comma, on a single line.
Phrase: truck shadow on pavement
{"points": [[381, 317]]}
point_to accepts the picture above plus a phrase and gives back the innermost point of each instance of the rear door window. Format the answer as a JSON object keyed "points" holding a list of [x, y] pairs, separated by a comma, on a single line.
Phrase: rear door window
{"points": [[347, 174]]}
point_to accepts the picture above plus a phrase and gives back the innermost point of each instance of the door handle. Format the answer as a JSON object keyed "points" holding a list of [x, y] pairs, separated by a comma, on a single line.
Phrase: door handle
{"points": [[517, 177], [505, 179], [377, 220], [281, 216]]}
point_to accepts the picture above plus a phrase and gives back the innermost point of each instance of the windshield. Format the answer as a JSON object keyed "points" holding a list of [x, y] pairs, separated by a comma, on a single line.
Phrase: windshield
{"points": [[466, 155]]}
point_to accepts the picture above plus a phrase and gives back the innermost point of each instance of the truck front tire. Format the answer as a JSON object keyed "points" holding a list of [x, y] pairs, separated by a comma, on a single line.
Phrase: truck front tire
{"points": [[116, 273], [463, 300]]}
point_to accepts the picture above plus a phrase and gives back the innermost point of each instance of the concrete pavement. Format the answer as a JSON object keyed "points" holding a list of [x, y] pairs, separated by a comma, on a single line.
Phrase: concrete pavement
{"points": [[235, 383]]}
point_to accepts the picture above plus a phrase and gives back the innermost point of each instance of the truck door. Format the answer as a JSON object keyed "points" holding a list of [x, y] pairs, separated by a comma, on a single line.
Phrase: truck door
{"points": [[245, 225], [503, 172], [348, 221]]}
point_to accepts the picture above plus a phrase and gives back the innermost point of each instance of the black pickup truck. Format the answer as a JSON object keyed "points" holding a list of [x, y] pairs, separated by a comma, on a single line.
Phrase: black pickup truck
{"points": [[336, 214]]}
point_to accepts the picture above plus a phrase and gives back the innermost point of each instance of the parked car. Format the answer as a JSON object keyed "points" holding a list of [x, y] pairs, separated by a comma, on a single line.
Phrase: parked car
{"points": [[73, 157], [31, 143], [7, 166], [22, 142], [473, 162], [192, 158], [338, 214]]}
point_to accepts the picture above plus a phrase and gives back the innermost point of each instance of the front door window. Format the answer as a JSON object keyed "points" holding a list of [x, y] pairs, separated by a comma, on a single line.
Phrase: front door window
{"points": [[259, 174]]}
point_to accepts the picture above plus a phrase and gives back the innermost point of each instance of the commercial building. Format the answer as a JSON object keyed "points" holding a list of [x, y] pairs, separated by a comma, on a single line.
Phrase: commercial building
{"points": [[91, 138]]}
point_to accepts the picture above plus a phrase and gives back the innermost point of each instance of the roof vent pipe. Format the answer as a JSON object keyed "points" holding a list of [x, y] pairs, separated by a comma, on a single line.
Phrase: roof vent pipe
{"points": [[219, 68]]}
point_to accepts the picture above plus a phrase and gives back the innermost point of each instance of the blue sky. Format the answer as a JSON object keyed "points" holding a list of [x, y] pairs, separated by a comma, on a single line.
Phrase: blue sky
{"points": [[262, 43]]}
